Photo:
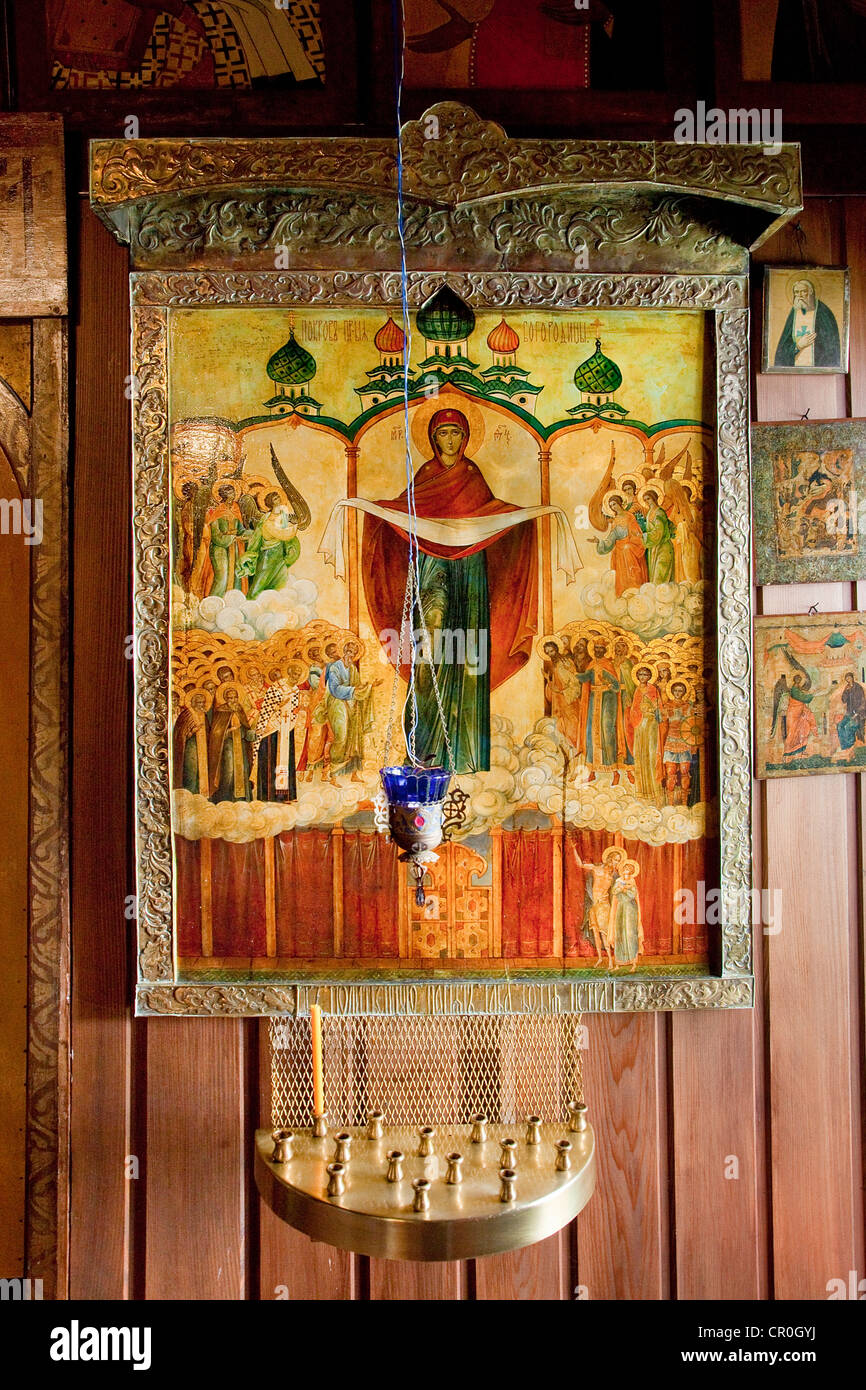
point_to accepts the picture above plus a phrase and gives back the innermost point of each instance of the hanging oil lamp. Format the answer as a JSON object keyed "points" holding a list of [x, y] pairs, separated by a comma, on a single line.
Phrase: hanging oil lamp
{"points": [[416, 800]]}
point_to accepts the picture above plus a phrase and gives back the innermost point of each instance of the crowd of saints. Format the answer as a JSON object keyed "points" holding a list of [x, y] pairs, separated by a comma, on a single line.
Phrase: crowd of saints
{"points": [[653, 521], [636, 711], [250, 729]]}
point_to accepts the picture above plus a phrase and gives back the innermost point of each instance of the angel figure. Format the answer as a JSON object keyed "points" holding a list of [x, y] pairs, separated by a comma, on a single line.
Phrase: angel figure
{"points": [[272, 542]]}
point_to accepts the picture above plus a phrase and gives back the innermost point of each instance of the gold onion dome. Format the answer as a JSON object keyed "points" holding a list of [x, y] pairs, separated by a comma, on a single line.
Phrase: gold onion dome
{"points": [[503, 338], [292, 365], [390, 338], [598, 373], [445, 318]]}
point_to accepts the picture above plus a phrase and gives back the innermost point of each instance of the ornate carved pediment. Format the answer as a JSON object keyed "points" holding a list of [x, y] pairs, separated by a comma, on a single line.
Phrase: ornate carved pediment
{"points": [[472, 195]]}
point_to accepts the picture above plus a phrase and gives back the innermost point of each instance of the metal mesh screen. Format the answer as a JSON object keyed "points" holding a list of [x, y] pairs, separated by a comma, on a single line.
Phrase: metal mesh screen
{"points": [[436, 1070]]}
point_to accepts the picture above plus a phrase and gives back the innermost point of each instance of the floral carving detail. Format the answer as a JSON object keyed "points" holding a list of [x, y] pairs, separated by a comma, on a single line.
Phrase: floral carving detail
{"points": [[734, 639], [150, 428], [637, 996], [180, 288]]}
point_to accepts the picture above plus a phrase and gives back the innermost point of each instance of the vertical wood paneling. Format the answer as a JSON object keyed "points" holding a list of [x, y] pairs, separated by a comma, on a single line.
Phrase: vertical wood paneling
{"points": [[101, 873], [198, 1148], [622, 1248], [719, 1169], [811, 843]]}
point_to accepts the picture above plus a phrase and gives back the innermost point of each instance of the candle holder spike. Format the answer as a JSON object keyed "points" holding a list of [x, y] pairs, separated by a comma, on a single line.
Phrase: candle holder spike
{"points": [[336, 1179], [283, 1140], [454, 1174], [563, 1156], [342, 1147], [508, 1188], [479, 1130], [508, 1153], [421, 1200]]}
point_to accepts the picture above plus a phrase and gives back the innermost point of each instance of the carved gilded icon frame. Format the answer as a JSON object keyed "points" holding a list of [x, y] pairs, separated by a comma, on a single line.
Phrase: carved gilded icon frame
{"points": [[504, 222]]}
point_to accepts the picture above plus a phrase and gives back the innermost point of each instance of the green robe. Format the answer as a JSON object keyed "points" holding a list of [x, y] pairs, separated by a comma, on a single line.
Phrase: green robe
{"points": [[659, 547], [456, 605], [266, 563]]}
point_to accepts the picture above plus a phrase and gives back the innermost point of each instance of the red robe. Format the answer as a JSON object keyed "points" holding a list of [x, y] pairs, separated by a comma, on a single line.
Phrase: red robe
{"points": [[512, 556]]}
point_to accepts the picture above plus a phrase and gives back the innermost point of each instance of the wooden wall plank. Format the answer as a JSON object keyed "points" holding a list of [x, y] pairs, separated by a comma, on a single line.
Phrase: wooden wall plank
{"points": [[399, 1280], [101, 871], [199, 1145], [719, 1167], [539, 1272], [294, 1267], [623, 1245]]}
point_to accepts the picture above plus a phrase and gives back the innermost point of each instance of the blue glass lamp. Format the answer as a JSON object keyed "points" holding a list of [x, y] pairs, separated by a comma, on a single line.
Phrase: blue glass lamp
{"points": [[416, 797]]}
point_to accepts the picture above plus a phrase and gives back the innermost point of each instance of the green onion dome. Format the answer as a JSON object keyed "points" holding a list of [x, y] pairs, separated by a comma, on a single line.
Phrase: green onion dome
{"points": [[292, 365], [445, 318], [598, 374]]}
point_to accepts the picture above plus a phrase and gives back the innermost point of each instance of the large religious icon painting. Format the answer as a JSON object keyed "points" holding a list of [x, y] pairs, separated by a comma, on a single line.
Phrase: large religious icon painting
{"points": [[562, 483]]}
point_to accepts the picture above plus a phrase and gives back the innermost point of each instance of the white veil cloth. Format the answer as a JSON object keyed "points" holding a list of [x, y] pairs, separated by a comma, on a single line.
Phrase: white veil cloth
{"points": [[458, 532]]}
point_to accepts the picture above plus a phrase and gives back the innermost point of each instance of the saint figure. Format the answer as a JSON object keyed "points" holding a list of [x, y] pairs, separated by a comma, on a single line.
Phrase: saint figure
{"points": [[810, 337], [485, 589], [624, 542]]}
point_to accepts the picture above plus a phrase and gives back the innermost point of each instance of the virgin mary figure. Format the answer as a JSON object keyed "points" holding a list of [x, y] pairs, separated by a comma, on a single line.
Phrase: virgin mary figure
{"points": [[485, 590]]}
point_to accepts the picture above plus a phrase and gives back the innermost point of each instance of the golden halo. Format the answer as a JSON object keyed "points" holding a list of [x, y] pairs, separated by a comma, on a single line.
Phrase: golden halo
{"points": [[633, 865], [654, 488], [635, 478], [614, 492], [259, 488], [225, 482], [448, 399], [301, 665], [542, 643], [649, 665], [687, 684], [180, 478], [612, 850], [620, 635], [793, 280]]}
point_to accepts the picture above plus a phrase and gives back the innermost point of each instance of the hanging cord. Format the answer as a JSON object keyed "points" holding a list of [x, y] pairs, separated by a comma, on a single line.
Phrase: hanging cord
{"points": [[412, 597]]}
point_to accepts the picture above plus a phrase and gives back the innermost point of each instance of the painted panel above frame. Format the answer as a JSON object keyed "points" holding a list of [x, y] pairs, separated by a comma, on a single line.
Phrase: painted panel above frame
{"points": [[594, 743]]}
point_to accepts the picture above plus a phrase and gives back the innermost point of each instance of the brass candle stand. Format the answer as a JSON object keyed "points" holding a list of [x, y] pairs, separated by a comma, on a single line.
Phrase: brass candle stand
{"points": [[409, 1192]]}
